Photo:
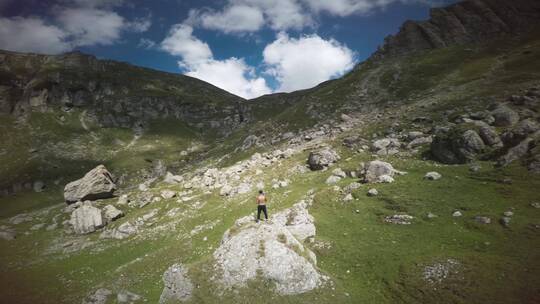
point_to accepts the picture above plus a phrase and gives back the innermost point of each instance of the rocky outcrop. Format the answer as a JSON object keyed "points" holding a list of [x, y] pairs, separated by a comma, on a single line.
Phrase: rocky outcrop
{"points": [[96, 184], [455, 146], [471, 21], [274, 250], [114, 94]]}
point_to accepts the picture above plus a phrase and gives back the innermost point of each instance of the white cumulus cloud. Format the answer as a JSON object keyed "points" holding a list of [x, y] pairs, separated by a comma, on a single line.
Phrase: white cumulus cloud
{"points": [[181, 42], [232, 74], [233, 19], [306, 61], [31, 35], [90, 26], [240, 16]]}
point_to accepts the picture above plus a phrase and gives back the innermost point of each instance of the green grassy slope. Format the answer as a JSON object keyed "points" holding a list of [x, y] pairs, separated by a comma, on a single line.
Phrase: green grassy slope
{"points": [[368, 260]]}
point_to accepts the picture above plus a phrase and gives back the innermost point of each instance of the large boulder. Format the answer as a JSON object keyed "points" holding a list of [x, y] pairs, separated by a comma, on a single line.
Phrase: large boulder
{"points": [[320, 159], [377, 171], [178, 286], [273, 251], [86, 219], [457, 146], [96, 184], [505, 116]]}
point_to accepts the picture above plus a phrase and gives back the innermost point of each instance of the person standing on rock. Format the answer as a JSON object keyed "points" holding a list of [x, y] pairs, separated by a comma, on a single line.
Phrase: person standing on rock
{"points": [[261, 205]]}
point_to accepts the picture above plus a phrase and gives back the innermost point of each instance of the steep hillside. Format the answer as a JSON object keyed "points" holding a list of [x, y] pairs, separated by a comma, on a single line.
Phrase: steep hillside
{"points": [[412, 179]]}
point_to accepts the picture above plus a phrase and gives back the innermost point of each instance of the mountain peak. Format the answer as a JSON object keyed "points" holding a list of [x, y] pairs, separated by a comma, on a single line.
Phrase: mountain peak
{"points": [[472, 21]]}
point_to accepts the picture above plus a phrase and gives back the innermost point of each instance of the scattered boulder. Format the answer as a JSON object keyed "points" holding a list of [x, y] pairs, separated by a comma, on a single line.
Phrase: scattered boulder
{"points": [[339, 172], [7, 234], [123, 200], [96, 184], [505, 116], [505, 221], [399, 219], [332, 179], [321, 159], [125, 296], [386, 146], [111, 213], [352, 186], [100, 296], [372, 192], [226, 190], [433, 176], [121, 232], [38, 186], [377, 171], [457, 214], [178, 286], [482, 220], [86, 219], [349, 197], [168, 194], [420, 141], [173, 179]]}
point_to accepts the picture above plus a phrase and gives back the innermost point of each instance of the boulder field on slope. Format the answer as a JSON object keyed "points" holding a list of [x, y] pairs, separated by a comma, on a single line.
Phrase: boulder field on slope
{"points": [[274, 250], [98, 183]]}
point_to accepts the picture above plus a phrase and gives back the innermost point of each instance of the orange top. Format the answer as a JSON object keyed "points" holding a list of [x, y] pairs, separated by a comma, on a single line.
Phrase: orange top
{"points": [[261, 199]]}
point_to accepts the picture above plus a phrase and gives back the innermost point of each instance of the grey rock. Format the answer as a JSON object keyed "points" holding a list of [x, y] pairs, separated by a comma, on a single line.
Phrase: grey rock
{"points": [[399, 219], [505, 221], [332, 179], [433, 176], [420, 141], [490, 137], [372, 192], [457, 214], [454, 147], [38, 186], [482, 220], [273, 250], [86, 219], [320, 159], [121, 232], [100, 296], [111, 213], [505, 116], [7, 235], [96, 184], [125, 296], [173, 179], [168, 194], [373, 171], [178, 286]]}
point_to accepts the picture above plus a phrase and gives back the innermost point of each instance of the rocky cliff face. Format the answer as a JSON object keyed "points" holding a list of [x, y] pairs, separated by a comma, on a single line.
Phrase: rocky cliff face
{"points": [[115, 94], [469, 21]]}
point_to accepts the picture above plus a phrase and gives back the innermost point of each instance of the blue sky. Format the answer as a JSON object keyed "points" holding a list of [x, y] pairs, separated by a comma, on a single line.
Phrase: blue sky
{"points": [[248, 47]]}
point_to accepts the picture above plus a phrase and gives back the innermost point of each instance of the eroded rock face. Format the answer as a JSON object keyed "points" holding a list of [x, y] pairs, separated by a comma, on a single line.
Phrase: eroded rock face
{"points": [[463, 23], [86, 219], [96, 184], [178, 286], [273, 250], [318, 160]]}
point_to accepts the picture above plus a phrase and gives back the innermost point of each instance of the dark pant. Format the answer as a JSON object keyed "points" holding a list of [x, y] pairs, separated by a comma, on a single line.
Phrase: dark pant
{"points": [[263, 209]]}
